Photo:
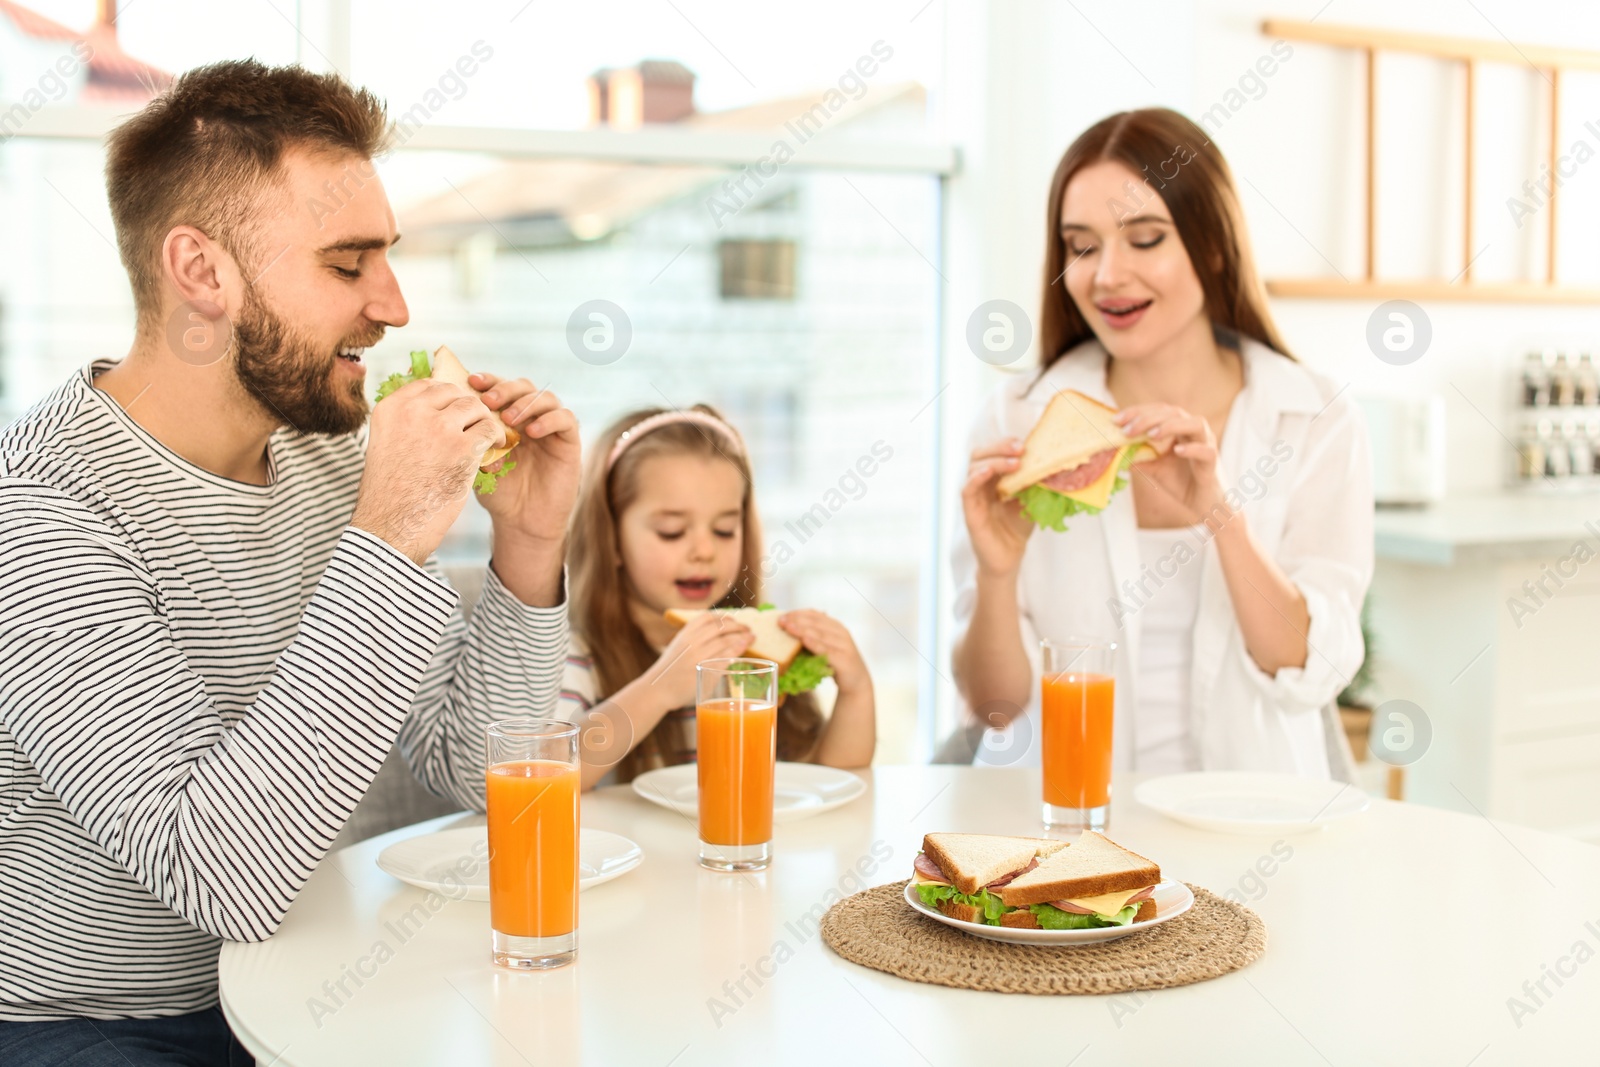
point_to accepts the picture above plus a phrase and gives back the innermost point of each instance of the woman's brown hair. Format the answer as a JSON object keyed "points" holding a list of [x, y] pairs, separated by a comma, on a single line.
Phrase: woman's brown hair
{"points": [[616, 645], [1204, 204]]}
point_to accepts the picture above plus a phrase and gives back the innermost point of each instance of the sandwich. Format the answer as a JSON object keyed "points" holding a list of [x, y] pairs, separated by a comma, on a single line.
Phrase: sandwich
{"points": [[1074, 458], [799, 670], [447, 368], [1033, 883]]}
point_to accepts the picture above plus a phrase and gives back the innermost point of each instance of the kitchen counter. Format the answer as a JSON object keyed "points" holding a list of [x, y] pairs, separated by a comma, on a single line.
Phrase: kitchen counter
{"points": [[1489, 528], [1483, 616]]}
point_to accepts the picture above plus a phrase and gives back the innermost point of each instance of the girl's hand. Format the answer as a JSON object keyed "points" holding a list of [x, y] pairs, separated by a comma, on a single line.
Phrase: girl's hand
{"points": [[826, 636], [1184, 440], [998, 529], [709, 636]]}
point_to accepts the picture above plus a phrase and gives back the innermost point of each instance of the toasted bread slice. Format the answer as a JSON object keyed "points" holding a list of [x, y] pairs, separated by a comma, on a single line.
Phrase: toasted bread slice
{"points": [[967, 913], [1072, 428], [771, 641], [1092, 866], [447, 368], [972, 861]]}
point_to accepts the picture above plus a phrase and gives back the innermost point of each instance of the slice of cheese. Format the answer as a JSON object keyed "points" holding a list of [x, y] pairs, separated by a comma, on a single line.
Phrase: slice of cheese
{"points": [[1097, 494], [921, 879], [1105, 903]]}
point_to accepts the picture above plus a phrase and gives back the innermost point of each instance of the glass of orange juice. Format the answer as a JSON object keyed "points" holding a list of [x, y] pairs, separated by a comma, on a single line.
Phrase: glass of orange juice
{"points": [[736, 731], [1075, 731], [533, 841]]}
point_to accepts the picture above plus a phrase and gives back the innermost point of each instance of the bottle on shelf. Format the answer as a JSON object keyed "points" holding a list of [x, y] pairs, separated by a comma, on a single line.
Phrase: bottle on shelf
{"points": [[1579, 450], [1531, 452], [1535, 382], [1588, 381], [1563, 384], [1557, 460]]}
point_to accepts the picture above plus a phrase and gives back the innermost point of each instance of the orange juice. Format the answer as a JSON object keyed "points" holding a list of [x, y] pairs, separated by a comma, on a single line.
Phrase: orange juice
{"points": [[533, 848], [1075, 715], [738, 754]]}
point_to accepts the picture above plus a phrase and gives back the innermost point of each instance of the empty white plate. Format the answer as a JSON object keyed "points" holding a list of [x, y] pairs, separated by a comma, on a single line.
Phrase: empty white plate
{"points": [[429, 861], [1172, 900], [799, 791], [1237, 802]]}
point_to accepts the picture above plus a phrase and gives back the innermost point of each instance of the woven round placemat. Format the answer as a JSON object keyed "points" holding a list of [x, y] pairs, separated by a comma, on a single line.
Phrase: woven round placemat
{"points": [[878, 929]]}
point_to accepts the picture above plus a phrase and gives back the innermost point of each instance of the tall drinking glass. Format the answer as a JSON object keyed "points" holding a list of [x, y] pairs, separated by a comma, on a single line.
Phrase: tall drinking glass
{"points": [[736, 729], [533, 777], [1078, 687]]}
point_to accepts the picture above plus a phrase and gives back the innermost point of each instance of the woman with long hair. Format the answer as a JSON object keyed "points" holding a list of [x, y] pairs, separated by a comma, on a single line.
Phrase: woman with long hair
{"points": [[1232, 573]]}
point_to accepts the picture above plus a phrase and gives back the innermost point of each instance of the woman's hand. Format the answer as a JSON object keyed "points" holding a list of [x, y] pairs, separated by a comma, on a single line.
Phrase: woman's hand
{"points": [[712, 635], [1183, 440], [826, 636], [998, 529]]}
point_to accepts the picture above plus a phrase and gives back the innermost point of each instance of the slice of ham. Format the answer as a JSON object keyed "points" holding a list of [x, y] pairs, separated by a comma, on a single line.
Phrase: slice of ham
{"points": [[998, 882], [1067, 905], [925, 865], [1083, 475]]}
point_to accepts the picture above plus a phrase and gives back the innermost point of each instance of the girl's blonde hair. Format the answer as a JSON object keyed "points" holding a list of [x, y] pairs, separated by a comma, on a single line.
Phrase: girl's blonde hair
{"points": [[617, 647]]}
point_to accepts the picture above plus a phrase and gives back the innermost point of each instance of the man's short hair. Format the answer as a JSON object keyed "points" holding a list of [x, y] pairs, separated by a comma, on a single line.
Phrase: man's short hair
{"points": [[207, 151]]}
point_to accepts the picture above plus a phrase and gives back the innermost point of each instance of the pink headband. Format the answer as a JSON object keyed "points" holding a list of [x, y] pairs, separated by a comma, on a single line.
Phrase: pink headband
{"points": [[667, 418]]}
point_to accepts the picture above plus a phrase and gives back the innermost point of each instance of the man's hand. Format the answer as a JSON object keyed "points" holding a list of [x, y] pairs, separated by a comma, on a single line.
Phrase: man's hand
{"points": [[427, 439], [531, 503]]}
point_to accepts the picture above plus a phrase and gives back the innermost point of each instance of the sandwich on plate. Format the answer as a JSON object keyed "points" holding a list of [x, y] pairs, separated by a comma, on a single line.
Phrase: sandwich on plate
{"points": [[799, 670], [447, 368], [1032, 883], [1074, 458]]}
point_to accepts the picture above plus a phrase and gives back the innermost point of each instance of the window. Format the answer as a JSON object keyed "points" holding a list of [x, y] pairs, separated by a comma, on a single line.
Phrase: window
{"points": [[762, 270], [616, 283]]}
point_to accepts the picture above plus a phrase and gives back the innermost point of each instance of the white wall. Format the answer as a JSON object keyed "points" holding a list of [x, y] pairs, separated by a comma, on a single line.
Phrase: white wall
{"points": [[1299, 156]]}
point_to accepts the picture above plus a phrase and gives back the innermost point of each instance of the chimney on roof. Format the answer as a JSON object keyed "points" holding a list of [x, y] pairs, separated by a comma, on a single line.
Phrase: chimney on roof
{"points": [[657, 90], [106, 14]]}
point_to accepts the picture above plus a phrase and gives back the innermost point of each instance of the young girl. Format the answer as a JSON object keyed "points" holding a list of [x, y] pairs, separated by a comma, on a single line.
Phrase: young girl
{"points": [[666, 518]]}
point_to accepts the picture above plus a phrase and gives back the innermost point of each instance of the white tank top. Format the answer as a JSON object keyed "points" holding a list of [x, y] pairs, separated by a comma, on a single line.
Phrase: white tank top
{"points": [[1169, 588]]}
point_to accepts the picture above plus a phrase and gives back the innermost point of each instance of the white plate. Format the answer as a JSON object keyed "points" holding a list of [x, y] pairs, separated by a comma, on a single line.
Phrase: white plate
{"points": [[1237, 802], [800, 791], [428, 861], [1172, 900]]}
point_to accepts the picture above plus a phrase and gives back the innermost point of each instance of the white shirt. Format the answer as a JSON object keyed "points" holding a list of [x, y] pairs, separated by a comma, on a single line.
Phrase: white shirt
{"points": [[1294, 459], [1172, 559]]}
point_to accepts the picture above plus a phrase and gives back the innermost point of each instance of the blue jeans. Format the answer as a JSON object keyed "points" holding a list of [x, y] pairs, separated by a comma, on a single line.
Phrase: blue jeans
{"points": [[201, 1039]]}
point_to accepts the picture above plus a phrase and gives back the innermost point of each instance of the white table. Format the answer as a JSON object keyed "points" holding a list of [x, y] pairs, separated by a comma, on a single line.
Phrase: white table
{"points": [[1383, 948]]}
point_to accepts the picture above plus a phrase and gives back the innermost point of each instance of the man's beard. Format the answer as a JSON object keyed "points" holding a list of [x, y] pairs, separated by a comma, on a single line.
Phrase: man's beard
{"points": [[290, 377]]}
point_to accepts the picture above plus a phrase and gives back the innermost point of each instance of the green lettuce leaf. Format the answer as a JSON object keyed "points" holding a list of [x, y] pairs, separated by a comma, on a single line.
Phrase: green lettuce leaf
{"points": [[1052, 918], [420, 368], [804, 674], [486, 481], [1049, 509], [983, 900]]}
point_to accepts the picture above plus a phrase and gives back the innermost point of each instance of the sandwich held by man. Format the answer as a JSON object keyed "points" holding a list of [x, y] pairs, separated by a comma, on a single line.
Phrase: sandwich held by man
{"points": [[217, 589]]}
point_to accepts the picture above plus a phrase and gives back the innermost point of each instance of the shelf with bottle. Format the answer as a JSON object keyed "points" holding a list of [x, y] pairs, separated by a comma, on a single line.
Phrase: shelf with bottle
{"points": [[1556, 424]]}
